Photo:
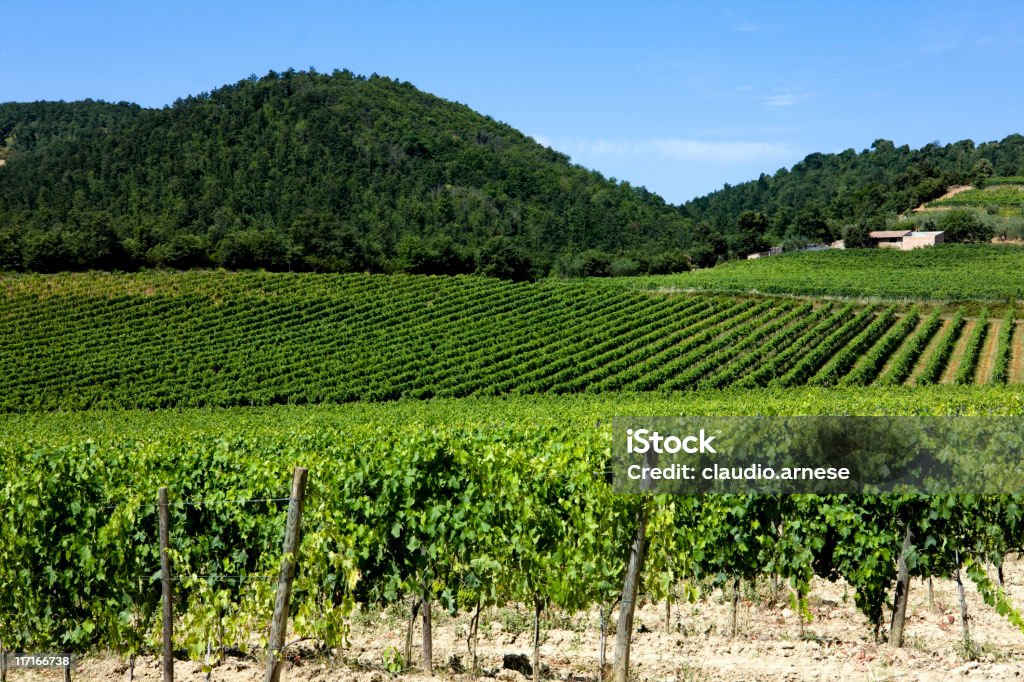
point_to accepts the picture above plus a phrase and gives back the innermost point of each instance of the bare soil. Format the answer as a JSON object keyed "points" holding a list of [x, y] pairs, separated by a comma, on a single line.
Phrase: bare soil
{"points": [[887, 367], [836, 645], [1016, 375], [951, 191], [922, 361], [987, 355], [957, 356]]}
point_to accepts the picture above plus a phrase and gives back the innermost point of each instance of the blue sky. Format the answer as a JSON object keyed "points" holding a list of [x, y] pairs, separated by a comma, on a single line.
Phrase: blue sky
{"points": [[678, 97]]}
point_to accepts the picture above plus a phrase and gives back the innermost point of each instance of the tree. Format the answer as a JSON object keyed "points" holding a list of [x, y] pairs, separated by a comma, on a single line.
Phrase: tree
{"points": [[982, 171], [589, 263], [965, 226], [857, 236], [752, 221], [501, 257], [811, 223], [251, 248]]}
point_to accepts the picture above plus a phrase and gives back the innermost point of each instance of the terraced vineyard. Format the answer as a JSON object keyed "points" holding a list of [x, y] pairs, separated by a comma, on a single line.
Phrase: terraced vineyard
{"points": [[1003, 195], [219, 339]]}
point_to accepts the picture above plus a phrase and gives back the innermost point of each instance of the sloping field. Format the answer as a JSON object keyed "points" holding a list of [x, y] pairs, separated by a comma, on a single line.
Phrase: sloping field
{"points": [[1003, 195], [230, 339], [948, 272]]}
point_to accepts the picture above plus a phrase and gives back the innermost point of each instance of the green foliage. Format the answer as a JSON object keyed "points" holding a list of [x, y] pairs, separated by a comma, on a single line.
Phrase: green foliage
{"points": [[159, 340], [943, 272], [393, 661], [906, 358], [964, 227], [857, 236], [994, 596], [845, 358], [494, 500], [1001, 364], [500, 257], [871, 363], [590, 263], [824, 191], [1012, 180], [969, 360], [936, 362], [997, 194], [304, 171]]}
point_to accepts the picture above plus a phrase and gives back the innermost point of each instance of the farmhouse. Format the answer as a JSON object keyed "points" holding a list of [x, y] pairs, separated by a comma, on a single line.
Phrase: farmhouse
{"points": [[905, 240], [774, 251]]}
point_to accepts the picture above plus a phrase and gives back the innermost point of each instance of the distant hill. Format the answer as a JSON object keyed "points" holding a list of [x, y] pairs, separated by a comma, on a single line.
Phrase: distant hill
{"points": [[307, 171], [822, 195]]}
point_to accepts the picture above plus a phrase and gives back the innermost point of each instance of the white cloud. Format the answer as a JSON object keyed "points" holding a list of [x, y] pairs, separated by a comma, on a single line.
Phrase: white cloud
{"points": [[728, 152], [784, 100]]}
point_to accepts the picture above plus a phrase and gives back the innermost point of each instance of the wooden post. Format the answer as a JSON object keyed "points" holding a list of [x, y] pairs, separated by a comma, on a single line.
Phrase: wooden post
{"points": [[735, 604], [899, 611], [428, 636], [627, 606], [538, 608], [165, 579], [279, 624], [634, 566], [963, 609], [412, 627]]}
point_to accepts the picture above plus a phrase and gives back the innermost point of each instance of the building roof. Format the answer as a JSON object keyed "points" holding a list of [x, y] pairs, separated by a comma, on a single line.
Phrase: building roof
{"points": [[926, 234], [889, 234]]}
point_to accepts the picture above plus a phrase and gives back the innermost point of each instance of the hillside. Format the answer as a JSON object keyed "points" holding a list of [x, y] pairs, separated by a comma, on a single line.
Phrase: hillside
{"points": [[819, 197], [996, 196], [307, 171], [241, 339], [343, 173]]}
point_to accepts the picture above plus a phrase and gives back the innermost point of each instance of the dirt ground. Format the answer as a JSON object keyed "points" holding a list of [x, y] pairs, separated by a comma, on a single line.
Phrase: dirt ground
{"points": [[836, 645], [951, 191]]}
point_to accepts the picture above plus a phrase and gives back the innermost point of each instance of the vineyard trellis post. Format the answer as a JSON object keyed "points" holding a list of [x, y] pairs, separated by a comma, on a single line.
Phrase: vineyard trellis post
{"points": [[631, 583], [428, 636], [627, 607], [279, 623], [899, 613], [165, 579]]}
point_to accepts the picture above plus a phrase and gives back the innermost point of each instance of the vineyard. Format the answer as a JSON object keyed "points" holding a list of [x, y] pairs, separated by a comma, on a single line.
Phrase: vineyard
{"points": [[457, 437], [215, 339], [948, 272], [1000, 194], [408, 504]]}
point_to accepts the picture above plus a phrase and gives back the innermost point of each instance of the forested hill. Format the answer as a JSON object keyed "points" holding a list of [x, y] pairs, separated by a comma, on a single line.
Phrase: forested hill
{"points": [[823, 193], [300, 170]]}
